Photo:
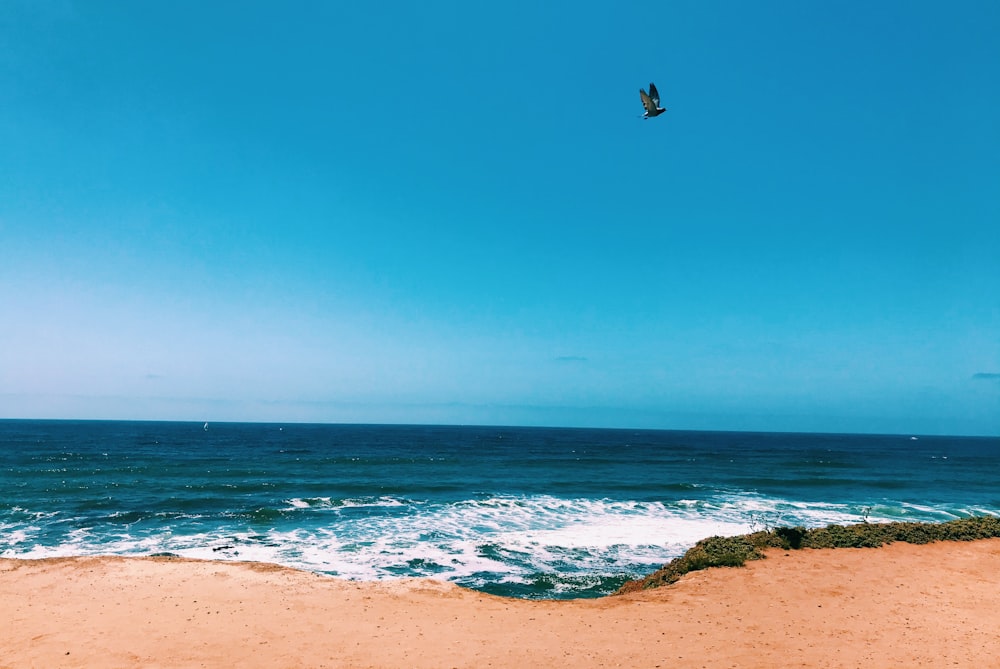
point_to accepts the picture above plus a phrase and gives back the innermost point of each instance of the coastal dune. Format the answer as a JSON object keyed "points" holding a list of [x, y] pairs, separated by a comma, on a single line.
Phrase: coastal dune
{"points": [[902, 605]]}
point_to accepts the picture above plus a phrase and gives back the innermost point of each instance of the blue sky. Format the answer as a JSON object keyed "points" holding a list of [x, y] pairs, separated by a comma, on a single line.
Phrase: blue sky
{"points": [[450, 212]]}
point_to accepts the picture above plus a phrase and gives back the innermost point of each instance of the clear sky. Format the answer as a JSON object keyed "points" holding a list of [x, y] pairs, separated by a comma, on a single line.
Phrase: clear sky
{"points": [[451, 212]]}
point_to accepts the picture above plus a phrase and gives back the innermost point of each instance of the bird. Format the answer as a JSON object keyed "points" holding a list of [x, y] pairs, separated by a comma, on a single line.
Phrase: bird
{"points": [[651, 102]]}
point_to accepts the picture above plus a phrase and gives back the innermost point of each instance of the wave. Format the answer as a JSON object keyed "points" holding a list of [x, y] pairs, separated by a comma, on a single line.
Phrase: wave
{"points": [[529, 546]]}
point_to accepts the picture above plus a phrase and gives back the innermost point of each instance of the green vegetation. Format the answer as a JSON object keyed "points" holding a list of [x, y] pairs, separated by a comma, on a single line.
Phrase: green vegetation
{"points": [[735, 551]]}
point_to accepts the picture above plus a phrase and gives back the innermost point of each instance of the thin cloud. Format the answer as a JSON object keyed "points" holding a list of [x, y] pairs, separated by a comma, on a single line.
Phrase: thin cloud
{"points": [[986, 376], [571, 358]]}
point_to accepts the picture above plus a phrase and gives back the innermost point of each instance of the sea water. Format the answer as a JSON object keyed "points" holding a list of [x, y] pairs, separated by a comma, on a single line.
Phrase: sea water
{"points": [[526, 512]]}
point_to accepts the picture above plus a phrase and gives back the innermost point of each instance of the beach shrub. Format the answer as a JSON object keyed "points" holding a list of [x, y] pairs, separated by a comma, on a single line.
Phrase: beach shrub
{"points": [[707, 553], [791, 537], [873, 535], [971, 528], [725, 552], [865, 535], [736, 551]]}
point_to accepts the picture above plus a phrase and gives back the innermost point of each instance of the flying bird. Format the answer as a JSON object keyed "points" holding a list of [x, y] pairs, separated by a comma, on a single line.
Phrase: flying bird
{"points": [[651, 102]]}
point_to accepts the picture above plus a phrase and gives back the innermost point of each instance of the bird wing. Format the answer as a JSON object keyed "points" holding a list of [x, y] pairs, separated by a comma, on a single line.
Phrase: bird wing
{"points": [[647, 102], [654, 94]]}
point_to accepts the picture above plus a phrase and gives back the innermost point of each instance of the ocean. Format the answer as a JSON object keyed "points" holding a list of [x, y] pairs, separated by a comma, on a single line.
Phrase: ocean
{"points": [[523, 512]]}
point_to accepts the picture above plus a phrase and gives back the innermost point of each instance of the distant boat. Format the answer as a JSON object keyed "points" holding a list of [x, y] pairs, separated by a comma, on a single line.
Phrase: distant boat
{"points": [[651, 102], [205, 427]]}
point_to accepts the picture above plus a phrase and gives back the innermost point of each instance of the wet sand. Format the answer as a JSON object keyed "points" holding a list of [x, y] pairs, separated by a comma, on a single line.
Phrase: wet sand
{"points": [[936, 605]]}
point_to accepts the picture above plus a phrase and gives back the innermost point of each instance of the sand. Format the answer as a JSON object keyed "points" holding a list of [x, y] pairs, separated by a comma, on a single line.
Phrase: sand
{"points": [[899, 606]]}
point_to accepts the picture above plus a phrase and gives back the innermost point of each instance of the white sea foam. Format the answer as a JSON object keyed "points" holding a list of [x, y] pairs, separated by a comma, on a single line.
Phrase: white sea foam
{"points": [[13, 537], [331, 503]]}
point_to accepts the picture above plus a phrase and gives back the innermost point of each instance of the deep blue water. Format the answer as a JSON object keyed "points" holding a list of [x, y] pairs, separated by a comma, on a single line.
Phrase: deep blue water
{"points": [[530, 512]]}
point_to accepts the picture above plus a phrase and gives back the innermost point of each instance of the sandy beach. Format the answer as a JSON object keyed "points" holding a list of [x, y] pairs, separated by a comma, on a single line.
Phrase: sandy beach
{"points": [[902, 605]]}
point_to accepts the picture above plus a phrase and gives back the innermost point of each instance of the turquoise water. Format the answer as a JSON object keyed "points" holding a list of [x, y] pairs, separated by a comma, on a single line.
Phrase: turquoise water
{"points": [[528, 512]]}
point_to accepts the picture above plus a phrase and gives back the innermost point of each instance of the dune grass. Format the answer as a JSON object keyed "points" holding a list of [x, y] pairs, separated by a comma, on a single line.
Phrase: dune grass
{"points": [[735, 551]]}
